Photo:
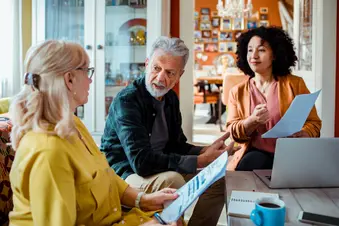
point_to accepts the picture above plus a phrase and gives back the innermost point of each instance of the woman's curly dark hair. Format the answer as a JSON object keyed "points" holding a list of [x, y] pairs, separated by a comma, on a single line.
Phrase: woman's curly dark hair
{"points": [[281, 44]]}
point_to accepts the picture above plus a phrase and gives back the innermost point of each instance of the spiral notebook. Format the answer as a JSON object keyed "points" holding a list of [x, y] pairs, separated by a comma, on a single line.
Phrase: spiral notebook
{"points": [[243, 202]]}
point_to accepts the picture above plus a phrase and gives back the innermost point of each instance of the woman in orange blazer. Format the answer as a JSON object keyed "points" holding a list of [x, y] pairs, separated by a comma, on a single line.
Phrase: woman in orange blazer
{"points": [[266, 55]]}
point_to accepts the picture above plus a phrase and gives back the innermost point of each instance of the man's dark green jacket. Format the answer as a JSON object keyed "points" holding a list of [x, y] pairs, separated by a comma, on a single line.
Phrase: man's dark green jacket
{"points": [[126, 139]]}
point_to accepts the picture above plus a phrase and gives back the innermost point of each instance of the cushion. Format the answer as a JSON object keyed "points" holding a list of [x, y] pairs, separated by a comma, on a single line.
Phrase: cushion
{"points": [[6, 159]]}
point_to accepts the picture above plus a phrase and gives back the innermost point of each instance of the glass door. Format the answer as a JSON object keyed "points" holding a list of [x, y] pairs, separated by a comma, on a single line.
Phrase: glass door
{"points": [[65, 20], [125, 44]]}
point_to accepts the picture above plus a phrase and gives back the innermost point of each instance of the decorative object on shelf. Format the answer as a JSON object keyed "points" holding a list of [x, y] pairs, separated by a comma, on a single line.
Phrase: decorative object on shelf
{"points": [[202, 57], [231, 47], [135, 30], [235, 8], [109, 80], [119, 78]]}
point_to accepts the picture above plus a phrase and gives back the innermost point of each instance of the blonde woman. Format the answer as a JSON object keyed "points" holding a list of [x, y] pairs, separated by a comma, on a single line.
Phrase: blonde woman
{"points": [[59, 177]]}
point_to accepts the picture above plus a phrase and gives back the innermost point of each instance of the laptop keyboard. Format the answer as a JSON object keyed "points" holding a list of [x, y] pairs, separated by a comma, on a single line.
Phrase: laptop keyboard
{"points": [[268, 177]]}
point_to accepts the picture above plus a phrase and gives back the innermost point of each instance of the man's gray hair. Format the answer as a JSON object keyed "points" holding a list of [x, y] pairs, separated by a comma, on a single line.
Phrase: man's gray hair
{"points": [[174, 46]]}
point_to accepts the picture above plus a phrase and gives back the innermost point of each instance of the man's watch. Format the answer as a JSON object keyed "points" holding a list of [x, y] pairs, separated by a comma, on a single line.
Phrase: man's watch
{"points": [[138, 199]]}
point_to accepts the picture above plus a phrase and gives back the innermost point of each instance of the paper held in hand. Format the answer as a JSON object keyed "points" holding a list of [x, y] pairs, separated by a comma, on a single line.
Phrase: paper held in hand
{"points": [[295, 117], [194, 188]]}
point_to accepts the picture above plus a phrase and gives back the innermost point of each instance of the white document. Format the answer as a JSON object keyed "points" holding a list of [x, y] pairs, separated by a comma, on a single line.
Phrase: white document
{"points": [[295, 117], [194, 188], [243, 202]]}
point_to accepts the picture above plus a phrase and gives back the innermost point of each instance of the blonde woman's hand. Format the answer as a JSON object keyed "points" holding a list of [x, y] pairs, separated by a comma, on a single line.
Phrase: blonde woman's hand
{"points": [[156, 200], [156, 223]]}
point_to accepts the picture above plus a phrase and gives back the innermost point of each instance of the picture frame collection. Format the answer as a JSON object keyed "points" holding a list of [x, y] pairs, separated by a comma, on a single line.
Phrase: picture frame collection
{"points": [[216, 34]]}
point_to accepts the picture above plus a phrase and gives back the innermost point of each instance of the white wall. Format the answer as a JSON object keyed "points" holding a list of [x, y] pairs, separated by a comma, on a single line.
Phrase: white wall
{"points": [[324, 62], [186, 81]]}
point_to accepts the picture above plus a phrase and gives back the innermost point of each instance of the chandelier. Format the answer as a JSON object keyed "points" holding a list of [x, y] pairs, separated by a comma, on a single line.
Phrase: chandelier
{"points": [[235, 8]]}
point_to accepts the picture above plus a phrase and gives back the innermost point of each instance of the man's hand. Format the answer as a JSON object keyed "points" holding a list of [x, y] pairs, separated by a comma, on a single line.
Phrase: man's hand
{"points": [[156, 200], [156, 223], [210, 153], [300, 134], [260, 114]]}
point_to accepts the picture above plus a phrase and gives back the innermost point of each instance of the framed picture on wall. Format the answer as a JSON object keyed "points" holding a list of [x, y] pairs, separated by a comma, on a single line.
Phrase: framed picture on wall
{"points": [[205, 18], [237, 34], [215, 32], [199, 47], [222, 47], [263, 16], [206, 34], [238, 24], [226, 24], [264, 23], [251, 24], [205, 25], [231, 47], [214, 40], [215, 21], [211, 47], [205, 11], [263, 10], [197, 34], [225, 36]]}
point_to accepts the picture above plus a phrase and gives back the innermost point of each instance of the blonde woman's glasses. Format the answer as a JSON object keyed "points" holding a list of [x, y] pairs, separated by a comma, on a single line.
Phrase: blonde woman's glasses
{"points": [[90, 71]]}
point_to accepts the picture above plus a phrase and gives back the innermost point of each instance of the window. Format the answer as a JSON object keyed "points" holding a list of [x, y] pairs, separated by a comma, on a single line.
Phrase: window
{"points": [[10, 47]]}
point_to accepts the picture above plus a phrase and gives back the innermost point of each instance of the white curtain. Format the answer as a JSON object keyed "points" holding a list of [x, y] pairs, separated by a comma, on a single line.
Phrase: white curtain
{"points": [[11, 73]]}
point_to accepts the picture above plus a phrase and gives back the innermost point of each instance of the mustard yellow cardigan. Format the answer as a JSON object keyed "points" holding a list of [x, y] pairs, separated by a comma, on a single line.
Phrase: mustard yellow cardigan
{"points": [[239, 109]]}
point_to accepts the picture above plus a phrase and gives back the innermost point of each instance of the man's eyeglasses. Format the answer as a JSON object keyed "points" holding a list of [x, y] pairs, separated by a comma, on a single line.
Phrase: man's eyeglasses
{"points": [[90, 71]]}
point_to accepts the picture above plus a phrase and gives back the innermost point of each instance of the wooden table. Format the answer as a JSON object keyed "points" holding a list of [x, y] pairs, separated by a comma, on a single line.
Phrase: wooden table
{"points": [[322, 201], [211, 79]]}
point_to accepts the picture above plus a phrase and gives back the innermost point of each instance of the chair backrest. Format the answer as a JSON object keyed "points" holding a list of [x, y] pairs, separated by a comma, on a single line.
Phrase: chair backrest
{"points": [[230, 81]]}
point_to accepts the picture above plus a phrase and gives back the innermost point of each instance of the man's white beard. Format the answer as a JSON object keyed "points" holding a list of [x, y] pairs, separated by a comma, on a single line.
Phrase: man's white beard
{"points": [[155, 93]]}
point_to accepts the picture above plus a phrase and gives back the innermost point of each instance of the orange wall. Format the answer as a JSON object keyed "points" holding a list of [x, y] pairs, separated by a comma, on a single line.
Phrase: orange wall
{"points": [[175, 27], [273, 17]]}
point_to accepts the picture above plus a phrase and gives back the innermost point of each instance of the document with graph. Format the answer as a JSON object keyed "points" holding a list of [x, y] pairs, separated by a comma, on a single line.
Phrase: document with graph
{"points": [[295, 117], [194, 188]]}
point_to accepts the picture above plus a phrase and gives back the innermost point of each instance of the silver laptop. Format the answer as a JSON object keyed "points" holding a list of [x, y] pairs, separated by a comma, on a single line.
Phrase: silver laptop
{"points": [[303, 163]]}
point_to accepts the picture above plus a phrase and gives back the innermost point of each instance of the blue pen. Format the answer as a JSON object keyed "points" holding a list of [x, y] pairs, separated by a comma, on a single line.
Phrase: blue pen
{"points": [[161, 221]]}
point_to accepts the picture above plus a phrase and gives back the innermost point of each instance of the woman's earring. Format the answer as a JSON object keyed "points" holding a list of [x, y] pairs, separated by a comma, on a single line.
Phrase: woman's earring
{"points": [[75, 93]]}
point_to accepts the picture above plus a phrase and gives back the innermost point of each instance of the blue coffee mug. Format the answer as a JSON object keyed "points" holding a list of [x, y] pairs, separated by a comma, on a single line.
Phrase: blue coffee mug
{"points": [[269, 212]]}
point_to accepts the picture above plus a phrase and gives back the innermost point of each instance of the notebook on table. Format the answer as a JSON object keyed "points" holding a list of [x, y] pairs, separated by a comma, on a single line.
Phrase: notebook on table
{"points": [[242, 203]]}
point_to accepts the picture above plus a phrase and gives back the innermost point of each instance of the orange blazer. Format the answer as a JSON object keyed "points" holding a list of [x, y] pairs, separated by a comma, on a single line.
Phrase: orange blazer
{"points": [[239, 109]]}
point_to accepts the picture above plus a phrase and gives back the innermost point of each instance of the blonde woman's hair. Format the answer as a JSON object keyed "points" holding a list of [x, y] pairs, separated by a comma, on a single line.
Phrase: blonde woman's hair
{"points": [[46, 106]]}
